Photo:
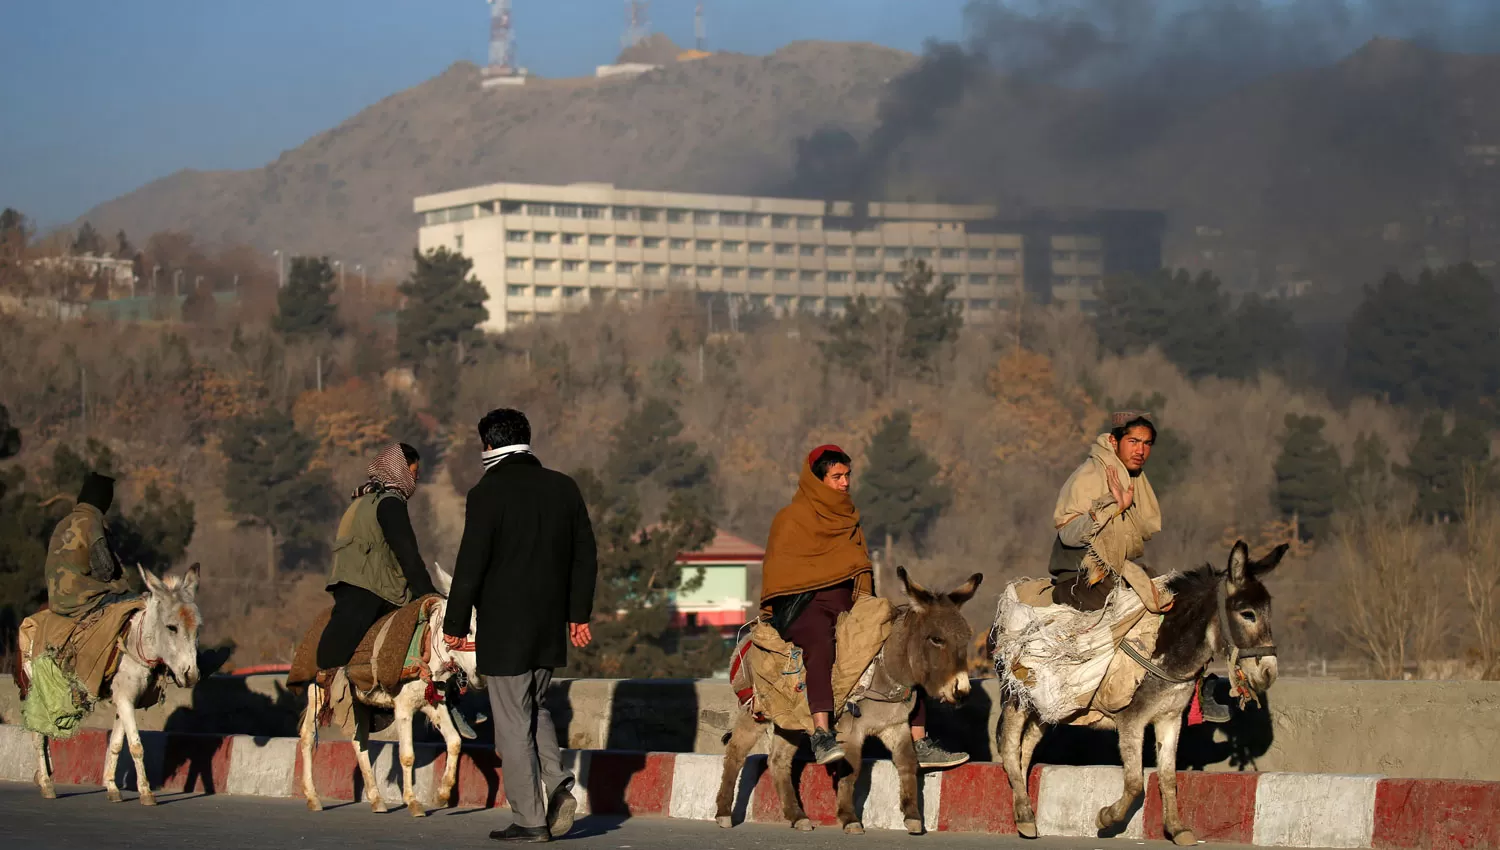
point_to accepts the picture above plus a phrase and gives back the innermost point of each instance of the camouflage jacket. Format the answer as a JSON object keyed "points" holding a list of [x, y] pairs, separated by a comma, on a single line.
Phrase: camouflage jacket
{"points": [[82, 572]]}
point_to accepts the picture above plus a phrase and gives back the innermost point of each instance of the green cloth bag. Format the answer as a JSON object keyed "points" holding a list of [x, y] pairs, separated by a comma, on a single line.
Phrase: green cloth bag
{"points": [[57, 702]]}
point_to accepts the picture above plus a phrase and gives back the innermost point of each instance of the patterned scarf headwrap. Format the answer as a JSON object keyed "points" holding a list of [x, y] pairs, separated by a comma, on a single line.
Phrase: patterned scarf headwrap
{"points": [[389, 471]]}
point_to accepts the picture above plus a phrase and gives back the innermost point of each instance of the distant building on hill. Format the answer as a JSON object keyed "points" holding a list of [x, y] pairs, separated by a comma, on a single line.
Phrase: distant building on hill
{"points": [[544, 250]]}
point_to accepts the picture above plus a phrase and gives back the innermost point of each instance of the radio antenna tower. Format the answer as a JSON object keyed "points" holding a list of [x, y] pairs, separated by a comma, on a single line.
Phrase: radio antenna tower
{"points": [[502, 68], [636, 26], [699, 31]]}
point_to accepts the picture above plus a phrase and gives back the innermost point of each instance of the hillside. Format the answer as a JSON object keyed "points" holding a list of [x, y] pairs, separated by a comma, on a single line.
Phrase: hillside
{"points": [[724, 123], [1334, 172]]}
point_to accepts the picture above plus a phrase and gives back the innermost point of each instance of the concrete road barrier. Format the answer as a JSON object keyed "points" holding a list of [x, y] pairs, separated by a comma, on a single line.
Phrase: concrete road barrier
{"points": [[1270, 809]]}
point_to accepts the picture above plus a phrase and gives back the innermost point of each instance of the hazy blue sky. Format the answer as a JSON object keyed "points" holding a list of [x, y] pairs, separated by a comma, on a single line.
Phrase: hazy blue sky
{"points": [[97, 98]]}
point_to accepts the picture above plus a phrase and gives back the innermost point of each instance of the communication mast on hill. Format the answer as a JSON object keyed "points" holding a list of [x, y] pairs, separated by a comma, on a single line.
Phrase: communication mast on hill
{"points": [[502, 69], [636, 25], [700, 34]]}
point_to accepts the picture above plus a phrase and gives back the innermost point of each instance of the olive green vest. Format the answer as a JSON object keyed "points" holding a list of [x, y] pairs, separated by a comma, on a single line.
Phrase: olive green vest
{"points": [[361, 556]]}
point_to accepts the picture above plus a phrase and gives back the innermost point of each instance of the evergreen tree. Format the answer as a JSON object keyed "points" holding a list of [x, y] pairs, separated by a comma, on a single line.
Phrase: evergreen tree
{"points": [[1368, 477], [444, 305], [269, 478], [932, 319], [866, 340], [899, 494], [200, 307], [88, 241], [647, 451], [1432, 341], [1439, 462], [1309, 476], [305, 306], [123, 249]]}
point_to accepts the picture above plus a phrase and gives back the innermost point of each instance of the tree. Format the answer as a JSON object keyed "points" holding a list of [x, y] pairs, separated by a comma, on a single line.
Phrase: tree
{"points": [[269, 478], [866, 340], [15, 235], [899, 494], [1369, 474], [10, 436], [123, 249], [444, 305], [1440, 460], [1309, 476], [932, 320], [200, 307], [639, 574], [88, 241], [1432, 341], [305, 306], [1193, 323]]}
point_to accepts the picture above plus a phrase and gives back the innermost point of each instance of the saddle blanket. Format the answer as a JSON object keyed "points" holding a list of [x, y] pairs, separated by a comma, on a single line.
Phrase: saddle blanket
{"points": [[1064, 664], [87, 648], [395, 648], [768, 677]]}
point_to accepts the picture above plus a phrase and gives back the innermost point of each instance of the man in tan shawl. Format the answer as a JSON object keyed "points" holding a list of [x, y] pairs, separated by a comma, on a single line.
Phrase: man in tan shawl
{"points": [[1105, 514], [816, 566]]}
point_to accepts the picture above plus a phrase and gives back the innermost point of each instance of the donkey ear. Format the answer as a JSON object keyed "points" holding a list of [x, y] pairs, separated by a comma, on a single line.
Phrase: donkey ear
{"points": [[1239, 559], [190, 581], [920, 596], [153, 584], [966, 591], [1269, 562]]}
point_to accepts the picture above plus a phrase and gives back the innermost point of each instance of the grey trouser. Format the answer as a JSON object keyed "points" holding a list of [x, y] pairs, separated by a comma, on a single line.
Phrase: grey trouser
{"points": [[530, 760]]}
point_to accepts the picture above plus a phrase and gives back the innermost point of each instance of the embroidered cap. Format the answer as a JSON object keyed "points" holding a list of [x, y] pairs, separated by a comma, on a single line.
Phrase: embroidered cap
{"points": [[1119, 418]]}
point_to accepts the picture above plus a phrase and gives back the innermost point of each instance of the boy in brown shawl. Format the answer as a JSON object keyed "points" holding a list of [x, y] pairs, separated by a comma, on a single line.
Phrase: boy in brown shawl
{"points": [[816, 566]]}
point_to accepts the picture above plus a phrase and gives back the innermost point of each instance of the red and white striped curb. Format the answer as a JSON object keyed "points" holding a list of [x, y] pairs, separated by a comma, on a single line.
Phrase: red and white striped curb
{"points": [[1271, 809]]}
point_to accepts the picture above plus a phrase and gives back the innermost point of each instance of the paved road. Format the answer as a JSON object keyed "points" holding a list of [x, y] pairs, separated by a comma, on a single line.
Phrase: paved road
{"points": [[83, 818]]}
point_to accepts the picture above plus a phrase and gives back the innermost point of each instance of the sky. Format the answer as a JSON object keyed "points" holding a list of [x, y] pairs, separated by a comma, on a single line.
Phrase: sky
{"points": [[98, 98]]}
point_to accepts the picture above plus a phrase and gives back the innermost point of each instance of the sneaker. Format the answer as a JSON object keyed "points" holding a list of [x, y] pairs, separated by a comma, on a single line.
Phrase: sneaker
{"points": [[826, 748], [930, 755], [522, 834], [562, 811], [1213, 710]]}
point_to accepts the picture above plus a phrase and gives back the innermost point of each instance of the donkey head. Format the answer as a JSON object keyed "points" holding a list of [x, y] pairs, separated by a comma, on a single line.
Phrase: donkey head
{"points": [[466, 661], [1247, 608], [935, 640], [169, 629]]}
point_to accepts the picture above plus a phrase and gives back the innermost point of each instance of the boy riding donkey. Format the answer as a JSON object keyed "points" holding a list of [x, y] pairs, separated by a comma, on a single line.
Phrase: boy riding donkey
{"points": [[1105, 513], [816, 567]]}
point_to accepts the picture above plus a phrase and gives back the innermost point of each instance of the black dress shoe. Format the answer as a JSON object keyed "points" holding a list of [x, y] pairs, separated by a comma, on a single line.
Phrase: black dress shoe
{"points": [[522, 834]]}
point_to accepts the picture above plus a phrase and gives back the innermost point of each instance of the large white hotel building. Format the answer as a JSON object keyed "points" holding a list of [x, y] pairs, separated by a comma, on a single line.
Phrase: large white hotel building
{"points": [[544, 250]]}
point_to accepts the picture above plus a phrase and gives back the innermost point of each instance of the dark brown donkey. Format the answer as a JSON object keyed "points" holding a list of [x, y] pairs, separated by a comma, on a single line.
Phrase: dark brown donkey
{"points": [[1223, 613], [928, 646]]}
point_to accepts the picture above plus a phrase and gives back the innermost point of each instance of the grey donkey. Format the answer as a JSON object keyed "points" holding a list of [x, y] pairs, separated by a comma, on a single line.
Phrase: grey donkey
{"points": [[161, 639], [928, 647], [1216, 612]]}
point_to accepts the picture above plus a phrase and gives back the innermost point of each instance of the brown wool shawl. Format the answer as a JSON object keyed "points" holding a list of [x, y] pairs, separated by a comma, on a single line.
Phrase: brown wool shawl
{"points": [[815, 542]]}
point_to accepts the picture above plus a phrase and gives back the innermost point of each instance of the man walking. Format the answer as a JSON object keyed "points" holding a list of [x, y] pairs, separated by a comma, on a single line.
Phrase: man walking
{"points": [[528, 564]]}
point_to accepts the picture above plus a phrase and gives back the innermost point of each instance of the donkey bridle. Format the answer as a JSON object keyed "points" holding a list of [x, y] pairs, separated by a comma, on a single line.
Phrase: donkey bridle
{"points": [[1236, 652]]}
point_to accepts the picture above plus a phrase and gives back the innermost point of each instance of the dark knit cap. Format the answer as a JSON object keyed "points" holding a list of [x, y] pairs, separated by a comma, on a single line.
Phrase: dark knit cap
{"points": [[98, 490]]}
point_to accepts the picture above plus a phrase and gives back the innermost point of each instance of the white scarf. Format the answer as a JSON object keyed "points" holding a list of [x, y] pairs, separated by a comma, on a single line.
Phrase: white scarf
{"points": [[490, 457]]}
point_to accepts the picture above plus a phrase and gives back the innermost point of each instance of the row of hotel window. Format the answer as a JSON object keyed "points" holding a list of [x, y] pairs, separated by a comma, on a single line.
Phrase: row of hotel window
{"points": [[599, 240], [736, 272], [804, 303], [671, 215]]}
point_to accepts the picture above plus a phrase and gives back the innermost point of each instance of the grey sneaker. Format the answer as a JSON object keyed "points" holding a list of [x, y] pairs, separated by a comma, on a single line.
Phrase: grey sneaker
{"points": [[562, 811], [826, 748], [930, 755]]}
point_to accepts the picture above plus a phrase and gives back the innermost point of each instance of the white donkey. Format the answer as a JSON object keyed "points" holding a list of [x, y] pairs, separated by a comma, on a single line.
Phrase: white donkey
{"points": [[410, 697], [163, 638]]}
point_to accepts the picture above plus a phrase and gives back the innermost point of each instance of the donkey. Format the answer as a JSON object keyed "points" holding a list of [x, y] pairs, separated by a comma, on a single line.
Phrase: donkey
{"points": [[162, 638], [1216, 612], [928, 647], [409, 698]]}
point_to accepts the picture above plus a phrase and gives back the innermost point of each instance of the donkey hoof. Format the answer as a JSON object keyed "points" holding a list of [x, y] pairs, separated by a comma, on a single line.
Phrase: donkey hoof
{"points": [[314, 805], [378, 807], [1105, 820], [802, 825], [725, 821], [148, 799], [854, 828], [1186, 838], [914, 826], [49, 793], [417, 809], [1026, 830], [113, 795]]}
